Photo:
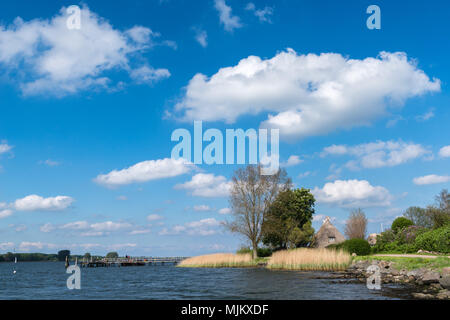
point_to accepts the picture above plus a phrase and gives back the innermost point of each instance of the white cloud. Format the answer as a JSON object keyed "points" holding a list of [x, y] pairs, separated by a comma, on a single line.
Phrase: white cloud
{"points": [[202, 37], [207, 185], [306, 95], [29, 246], [204, 227], [202, 208], [137, 232], [77, 225], [445, 152], [6, 246], [431, 179], [147, 74], [154, 217], [34, 203], [4, 147], [50, 163], [20, 228], [427, 116], [225, 211], [95, 229], [110, 226], [121, 246], [5, 213], [145, 171], [352, 194], [262, 14], [292, 161], [378, 154], [229, 21], [48, 227], [58, 61]]}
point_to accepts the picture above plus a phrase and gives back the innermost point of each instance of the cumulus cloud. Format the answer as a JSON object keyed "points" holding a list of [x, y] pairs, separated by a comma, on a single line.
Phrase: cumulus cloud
{"points": [[145, 171], [445, 152], [378, 154], [5, 213], [4, 147], [207, 185], [53, 59], [431, 179], [426, 116], [37, 203], [202, 208], [262, 14], [291, 161], [225, 211], [149, 75], [6, 246], [95, 229], [229, 21], [204, 227], [201, 36], [154, 217], [46, 228], [305, 95], [352, 194]]}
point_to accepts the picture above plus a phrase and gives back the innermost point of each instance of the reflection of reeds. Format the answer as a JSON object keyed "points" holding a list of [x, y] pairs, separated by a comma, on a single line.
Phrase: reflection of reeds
{"points": [[310, 259], [219, 260]]}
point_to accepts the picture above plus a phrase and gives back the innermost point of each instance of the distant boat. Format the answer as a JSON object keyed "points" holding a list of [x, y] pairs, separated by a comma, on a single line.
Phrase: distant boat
{"points": [[15, 261]]}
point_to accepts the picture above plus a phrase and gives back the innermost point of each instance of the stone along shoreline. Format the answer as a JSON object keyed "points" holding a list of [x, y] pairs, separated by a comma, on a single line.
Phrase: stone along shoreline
{"points": [[427, 283]]}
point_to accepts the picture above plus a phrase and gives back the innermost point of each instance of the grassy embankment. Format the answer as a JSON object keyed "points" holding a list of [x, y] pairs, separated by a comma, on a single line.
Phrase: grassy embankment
{"points": [[298, 259], [308, 259], [409, 263], [220, 260]]}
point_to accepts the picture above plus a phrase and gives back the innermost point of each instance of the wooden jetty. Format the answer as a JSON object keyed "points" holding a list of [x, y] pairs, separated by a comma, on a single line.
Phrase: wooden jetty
{"points": [[131, 262]]}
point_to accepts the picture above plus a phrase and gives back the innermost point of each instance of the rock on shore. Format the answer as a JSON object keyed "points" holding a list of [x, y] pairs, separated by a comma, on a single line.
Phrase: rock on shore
{"points": [[430, 284]]}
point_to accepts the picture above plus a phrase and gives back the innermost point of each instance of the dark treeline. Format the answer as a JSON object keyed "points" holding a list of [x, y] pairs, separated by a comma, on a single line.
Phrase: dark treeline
{"points": [[9, 257], [60, 256]]}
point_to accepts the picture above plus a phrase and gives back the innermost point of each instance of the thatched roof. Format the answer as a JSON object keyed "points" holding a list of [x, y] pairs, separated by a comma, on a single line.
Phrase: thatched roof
{"points": [[327, 234]]}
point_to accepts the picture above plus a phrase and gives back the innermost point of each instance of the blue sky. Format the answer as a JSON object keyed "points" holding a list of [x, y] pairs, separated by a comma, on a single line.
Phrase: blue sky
{"points": [[87, 115]]}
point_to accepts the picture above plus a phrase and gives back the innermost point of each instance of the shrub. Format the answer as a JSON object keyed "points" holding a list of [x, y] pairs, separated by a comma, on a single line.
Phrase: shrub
{"points": [[359, 246], [400, 223], [409, 234], [435, 240], [262, 252], [394, 247], [386, 237]]}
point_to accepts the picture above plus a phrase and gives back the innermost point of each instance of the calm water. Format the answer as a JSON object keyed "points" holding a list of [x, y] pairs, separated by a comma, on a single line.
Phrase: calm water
{"points": [[47, 280]]}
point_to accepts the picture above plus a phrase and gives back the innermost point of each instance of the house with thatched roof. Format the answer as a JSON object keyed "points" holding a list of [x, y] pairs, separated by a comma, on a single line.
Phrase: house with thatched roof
{"points": [[327, 234]]}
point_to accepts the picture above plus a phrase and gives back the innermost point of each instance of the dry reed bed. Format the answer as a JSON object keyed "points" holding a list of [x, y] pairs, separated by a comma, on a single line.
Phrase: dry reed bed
{"points": [[219, 260], [310, 259]]}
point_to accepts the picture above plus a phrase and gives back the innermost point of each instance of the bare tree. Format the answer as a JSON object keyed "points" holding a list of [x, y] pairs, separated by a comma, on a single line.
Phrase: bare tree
{"points": [[250, 198], [356, 225]]}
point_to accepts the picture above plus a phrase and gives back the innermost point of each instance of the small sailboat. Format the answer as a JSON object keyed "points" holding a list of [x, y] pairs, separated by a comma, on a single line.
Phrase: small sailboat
{"points": [[14, 269]]}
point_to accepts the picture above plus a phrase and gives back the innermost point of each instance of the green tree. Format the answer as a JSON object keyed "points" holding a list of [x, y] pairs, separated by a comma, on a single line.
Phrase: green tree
{"points": [[62, 254], [251, 196], [112, 255], [400, 223], [419, 216], [288, 221]]}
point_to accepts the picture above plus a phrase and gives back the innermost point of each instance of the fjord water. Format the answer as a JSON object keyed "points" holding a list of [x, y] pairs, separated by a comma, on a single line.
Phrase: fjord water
{"points": [[47, 280]]}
